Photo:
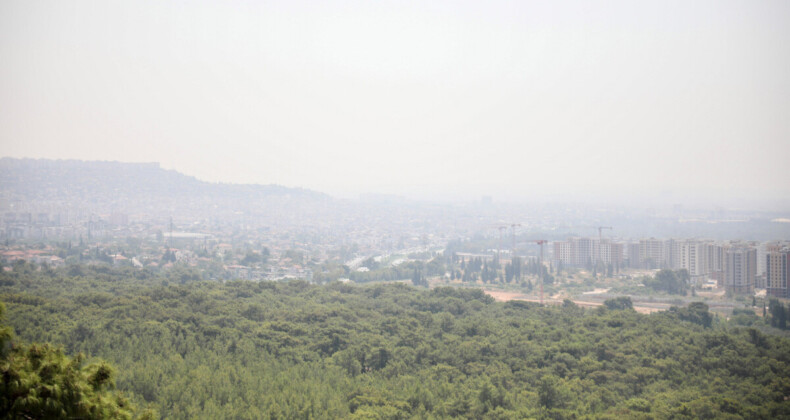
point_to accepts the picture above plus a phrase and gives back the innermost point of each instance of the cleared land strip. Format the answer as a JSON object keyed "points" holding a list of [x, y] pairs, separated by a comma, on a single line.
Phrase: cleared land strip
{"points": [[504, 296]]}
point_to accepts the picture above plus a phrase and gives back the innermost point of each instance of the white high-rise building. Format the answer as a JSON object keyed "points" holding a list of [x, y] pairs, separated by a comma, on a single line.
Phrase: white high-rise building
{"points": [[777, 261], [651, 253], [740, 269]]}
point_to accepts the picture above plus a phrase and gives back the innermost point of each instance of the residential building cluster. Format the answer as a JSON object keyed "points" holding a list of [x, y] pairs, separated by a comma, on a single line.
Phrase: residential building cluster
{"points": [[37, 256], [737, 266], [144, 216]]}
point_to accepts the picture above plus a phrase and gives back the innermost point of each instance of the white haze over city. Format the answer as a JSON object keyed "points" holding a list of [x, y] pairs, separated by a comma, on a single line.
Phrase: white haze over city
{"points": [[440, 99]]}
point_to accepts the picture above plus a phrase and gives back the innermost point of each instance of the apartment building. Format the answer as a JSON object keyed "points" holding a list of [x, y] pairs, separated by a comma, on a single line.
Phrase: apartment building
{"points": [[652, 253], [562, 252], [740, 269], [581, 252], [632, 254], [611, 253], [777, 270]]}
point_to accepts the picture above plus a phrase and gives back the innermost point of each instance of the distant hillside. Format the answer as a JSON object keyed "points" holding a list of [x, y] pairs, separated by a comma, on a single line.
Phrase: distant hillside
{"points": [[131, 185]]}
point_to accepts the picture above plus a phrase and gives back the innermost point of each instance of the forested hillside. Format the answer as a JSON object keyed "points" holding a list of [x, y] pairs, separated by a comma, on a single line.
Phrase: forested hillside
{"points": [[295, 350]]}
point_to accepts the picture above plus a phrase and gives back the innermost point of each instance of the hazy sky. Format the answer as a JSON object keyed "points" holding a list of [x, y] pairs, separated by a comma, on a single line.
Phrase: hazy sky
{"points": [[408, 97]]}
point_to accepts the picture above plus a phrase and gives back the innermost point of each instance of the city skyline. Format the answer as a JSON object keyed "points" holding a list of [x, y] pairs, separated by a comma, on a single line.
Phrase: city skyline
{"points": [[354, 209]]}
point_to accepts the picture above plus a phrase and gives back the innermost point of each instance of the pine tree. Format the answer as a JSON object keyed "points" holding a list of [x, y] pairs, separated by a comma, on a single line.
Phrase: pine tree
{"points": [[39, 381]]}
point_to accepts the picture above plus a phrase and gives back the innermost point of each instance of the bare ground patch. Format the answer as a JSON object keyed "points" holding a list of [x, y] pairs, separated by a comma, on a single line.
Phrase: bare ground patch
{"points": [[504, 296]]}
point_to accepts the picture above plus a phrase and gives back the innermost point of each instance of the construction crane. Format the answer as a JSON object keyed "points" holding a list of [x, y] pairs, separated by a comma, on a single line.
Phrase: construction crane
{"points": [[540, 265], [170, 239], [599, 257], [514, 226], [600, 228], [500, 227], [600, 241], [499, 247]]}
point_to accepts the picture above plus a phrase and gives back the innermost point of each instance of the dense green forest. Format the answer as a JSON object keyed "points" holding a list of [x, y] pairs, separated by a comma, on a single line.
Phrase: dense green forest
{"points": [[37, 381], [195, 349]]}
